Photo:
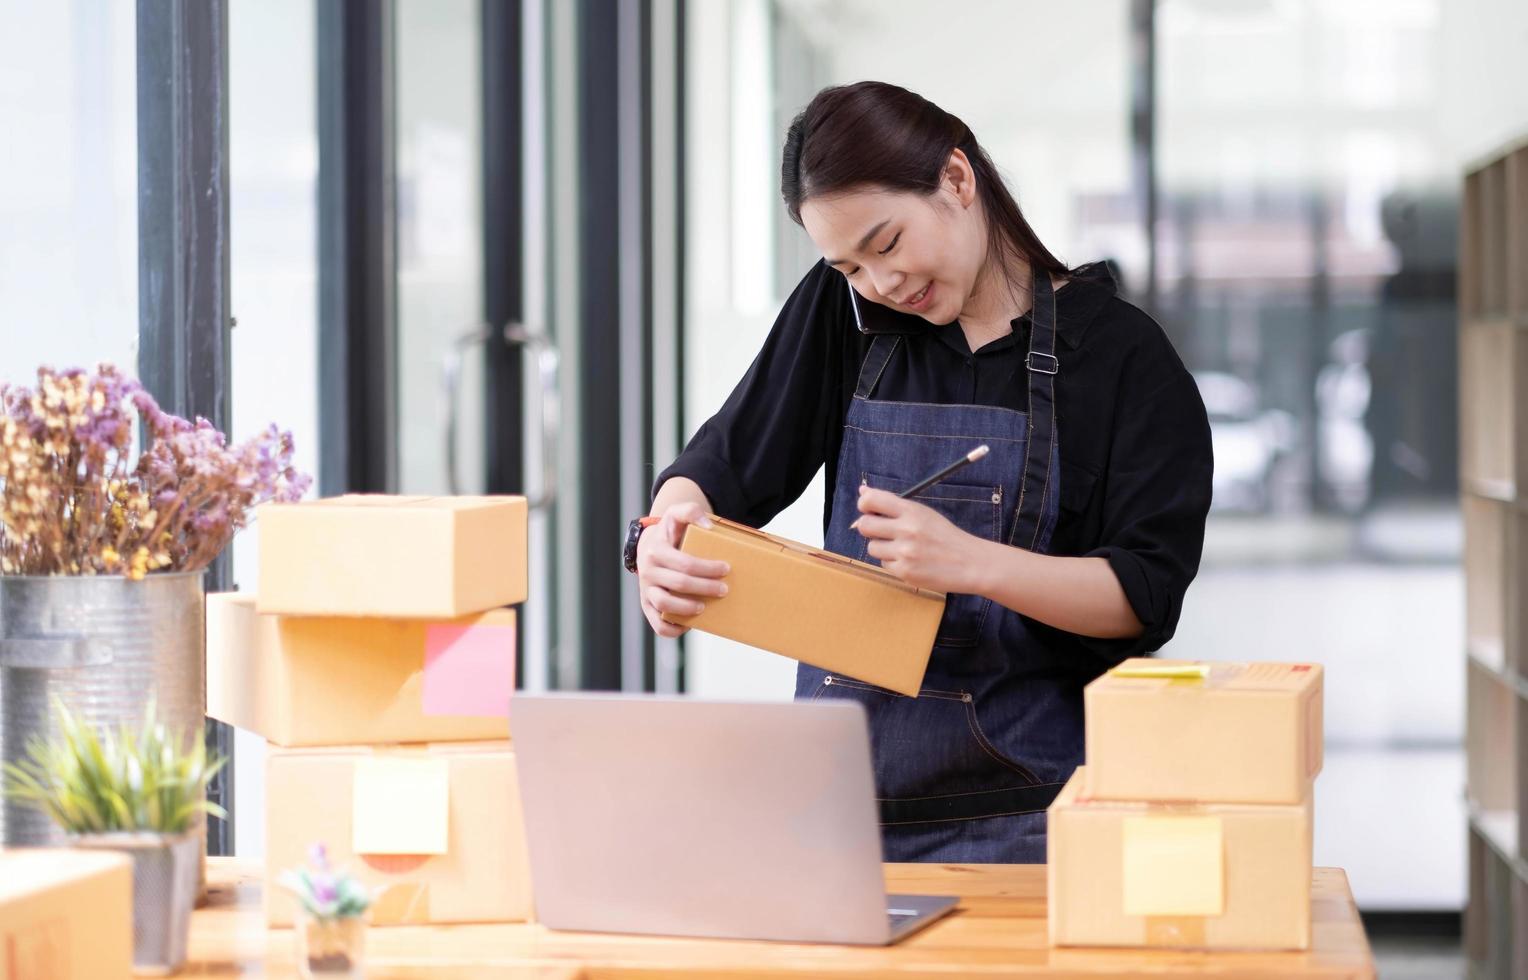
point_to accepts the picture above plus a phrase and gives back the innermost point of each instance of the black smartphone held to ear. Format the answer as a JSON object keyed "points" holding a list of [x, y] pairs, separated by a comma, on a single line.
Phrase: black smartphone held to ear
{"points": [[859, 321], [873, 318]]}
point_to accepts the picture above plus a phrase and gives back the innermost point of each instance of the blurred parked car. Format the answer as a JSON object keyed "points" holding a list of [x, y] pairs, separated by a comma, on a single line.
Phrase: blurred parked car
{"points": [[1248, 441], [1344, 447]]}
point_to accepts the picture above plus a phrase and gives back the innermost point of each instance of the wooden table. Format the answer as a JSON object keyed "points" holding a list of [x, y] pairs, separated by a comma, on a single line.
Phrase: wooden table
{"points": [[997, 930]]}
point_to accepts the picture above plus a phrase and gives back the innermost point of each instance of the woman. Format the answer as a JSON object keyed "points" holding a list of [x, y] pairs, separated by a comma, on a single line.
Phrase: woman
{"points": [[937, 321]]}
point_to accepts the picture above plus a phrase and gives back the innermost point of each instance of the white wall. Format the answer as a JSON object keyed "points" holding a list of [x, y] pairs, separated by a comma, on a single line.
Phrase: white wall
{"points": [[1484, 77]]}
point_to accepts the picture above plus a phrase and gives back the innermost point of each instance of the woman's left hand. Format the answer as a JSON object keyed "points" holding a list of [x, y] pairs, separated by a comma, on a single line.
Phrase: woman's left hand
{"points": [[917, 544]]}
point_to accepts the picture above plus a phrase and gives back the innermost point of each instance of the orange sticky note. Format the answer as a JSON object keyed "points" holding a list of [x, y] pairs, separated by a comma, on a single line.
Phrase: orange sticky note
{"points": [[1174, 865], [400, 806]]}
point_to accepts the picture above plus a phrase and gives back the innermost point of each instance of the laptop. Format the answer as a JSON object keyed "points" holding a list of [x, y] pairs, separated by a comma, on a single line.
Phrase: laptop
{"points": [[679, 817]]}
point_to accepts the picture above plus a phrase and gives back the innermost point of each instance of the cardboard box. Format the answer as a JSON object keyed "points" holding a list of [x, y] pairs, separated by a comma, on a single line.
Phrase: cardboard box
{"points": [[65, 915], [826, 610], [1224, 732], [440, 825], [1194, 876], [337, 681], [396, 557]]}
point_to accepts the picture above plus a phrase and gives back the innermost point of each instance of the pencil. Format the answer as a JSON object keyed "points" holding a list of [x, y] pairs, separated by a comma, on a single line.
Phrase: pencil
{"points": [[979, 452]]}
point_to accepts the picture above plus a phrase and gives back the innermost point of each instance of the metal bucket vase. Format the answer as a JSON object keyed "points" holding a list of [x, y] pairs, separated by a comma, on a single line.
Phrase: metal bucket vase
{"points": [[164, 892], [106, 645]]}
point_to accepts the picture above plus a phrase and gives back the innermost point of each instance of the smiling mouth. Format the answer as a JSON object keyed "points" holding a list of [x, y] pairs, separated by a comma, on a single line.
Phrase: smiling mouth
{"points": [[918, 297]]}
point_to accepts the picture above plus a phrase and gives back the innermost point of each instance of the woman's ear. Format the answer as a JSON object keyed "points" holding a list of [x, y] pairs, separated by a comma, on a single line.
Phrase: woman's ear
{"points": [[959, 179]]}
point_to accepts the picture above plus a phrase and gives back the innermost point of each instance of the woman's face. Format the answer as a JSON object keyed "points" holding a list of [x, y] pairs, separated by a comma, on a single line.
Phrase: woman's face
{"points": [[920, 254]]}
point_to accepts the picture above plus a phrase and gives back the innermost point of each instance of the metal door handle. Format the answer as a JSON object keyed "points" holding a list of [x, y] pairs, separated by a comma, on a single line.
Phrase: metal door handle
{"points": [[547, 372]]}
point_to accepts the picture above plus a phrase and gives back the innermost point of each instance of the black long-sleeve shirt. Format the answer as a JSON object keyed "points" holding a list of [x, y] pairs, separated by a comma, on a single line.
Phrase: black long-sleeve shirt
{"points": [[1134, 439]]}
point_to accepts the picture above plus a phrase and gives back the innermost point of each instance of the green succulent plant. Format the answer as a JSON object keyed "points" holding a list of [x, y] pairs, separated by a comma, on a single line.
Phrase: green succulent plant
{"points": [[325, 892], [135, 779]]}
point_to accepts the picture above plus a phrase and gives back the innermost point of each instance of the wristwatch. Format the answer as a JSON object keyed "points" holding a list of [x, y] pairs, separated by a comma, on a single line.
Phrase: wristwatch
{"points": [[633, 535]]}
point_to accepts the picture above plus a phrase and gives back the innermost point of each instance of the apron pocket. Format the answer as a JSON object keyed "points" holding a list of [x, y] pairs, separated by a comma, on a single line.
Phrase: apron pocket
{"points": [[930, 744], [974, 509]]}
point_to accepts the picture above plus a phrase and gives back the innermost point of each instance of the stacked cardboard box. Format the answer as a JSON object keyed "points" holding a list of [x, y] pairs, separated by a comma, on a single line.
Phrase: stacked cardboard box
{"points": [[378, 659], [66, 915], [1190, 825]]}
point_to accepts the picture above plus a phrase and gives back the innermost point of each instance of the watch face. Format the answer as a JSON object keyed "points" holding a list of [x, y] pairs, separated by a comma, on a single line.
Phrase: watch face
{"points": [[629, 552]]}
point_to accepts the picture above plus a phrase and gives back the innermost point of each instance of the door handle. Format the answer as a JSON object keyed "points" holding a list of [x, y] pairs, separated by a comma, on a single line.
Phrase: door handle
{"points": [[547, 373]]}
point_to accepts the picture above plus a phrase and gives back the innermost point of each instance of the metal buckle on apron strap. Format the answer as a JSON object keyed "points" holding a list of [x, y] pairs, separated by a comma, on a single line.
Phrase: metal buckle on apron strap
{"points": [[1052, 365]]}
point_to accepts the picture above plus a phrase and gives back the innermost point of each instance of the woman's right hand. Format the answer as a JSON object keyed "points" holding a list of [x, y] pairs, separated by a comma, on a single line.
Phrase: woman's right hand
{"points": [[671, 582]]}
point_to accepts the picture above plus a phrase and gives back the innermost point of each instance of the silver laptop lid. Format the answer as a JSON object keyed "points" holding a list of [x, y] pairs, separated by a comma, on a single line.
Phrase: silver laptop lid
{"points": [[679, 817]]}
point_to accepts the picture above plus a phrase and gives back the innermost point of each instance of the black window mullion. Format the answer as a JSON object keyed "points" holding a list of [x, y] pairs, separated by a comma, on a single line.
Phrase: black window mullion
{"points": [[183, 250], [1143, 143], [648, 471], [680, 257], [503, 231], [503, 259], [598, 386], [358, 269]]}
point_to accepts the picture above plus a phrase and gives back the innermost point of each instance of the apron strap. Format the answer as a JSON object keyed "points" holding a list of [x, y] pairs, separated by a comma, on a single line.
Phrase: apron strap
{"points": [[970, 806], [1041, 367], [881, 349]]}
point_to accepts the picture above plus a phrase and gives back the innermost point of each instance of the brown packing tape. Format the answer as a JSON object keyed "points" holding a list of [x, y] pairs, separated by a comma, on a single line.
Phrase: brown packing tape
{"points": [[1175, 930], [404, 903]]}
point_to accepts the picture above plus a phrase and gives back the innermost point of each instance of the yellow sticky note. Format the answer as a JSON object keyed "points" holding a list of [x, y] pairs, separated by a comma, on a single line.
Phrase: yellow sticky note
{"points": [[1169, 671], [1174, 865], [400, 806]]}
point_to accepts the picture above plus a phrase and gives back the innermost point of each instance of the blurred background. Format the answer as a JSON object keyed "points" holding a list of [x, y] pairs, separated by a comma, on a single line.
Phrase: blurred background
{"points": [[529, 245]]}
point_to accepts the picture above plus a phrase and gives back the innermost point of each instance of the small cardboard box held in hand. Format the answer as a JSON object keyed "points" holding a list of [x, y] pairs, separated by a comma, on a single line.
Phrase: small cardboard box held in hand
{"points": [[319, 680], [1224, 732], [65, 915], [398, 557], [1194, 876], [439, 827], [814, 606]]}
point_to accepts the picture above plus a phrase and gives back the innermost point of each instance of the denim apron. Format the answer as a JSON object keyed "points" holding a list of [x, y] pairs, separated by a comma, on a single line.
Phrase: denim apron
{"points": [[965, 770]]}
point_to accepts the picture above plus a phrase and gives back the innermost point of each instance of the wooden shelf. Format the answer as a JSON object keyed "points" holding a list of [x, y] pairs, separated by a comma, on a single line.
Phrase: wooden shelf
{"points": [[1493, 469], [1499, 828], [1492, 659], [1495, 321], [1500, 491]]}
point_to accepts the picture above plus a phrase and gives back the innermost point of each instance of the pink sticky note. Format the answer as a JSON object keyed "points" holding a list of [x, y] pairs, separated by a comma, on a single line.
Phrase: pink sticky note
{"points": [[468, 670]]}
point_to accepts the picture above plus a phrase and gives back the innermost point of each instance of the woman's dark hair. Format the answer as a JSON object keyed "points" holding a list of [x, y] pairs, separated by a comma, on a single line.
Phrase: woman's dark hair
{"points": [[874, 134]]}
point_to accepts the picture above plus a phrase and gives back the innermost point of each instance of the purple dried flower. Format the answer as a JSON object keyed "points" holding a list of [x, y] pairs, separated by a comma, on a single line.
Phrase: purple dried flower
{"points": [[74, 500]]}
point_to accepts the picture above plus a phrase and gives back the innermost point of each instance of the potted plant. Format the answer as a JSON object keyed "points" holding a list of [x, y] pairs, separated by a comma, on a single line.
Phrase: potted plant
{"points": [[331, 931], [137, 789], [110, 512]]}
